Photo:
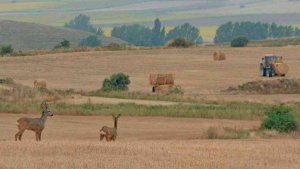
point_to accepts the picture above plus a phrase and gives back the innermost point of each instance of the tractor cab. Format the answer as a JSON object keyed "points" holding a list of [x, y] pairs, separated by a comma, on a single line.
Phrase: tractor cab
{"points": [[269, 59]]}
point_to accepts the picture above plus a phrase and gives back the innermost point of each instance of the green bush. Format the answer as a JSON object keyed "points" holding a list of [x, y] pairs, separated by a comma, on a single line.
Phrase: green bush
{"points": [[240, 41], [6, 49], [180, 42], [91, 41], [6, 80], [63, 44], [281, 119], [117, 81]]}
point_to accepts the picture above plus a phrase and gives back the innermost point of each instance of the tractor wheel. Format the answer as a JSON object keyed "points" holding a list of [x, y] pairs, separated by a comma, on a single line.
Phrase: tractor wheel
{"points": [[262, 71], [269, 73]]}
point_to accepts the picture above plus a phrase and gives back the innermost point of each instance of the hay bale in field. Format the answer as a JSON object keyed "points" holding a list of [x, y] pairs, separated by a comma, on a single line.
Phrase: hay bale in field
{"points": [[4, 90], [152, 79], [161, 79], [163, 89], [281, 69], [218, 56], [40, 84]]}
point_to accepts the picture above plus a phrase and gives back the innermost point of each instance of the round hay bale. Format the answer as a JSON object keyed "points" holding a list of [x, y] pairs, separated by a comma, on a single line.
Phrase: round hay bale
{"points": [[4, 90], [222, 56], [281, 69], [218, 56], [40, 84]]}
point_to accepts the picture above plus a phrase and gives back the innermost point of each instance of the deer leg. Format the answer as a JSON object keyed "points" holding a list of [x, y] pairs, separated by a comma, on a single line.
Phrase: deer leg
{"points": [[36, 136], [107, 137], [21, 134], [102, 136], [18, 135], [40, 136]]}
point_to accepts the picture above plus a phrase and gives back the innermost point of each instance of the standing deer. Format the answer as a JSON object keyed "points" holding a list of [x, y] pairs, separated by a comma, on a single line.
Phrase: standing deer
{"points": [[35, 124], [110, 133]]}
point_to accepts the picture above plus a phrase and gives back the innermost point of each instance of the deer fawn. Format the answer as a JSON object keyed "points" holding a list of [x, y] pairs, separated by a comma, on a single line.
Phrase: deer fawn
{"points": [[110, 133], [35, 124]]}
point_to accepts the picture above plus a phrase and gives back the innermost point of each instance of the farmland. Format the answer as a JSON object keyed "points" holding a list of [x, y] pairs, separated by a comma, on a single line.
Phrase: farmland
{"points": [[72, 142], [194, 68], [215, 119], [151, 134]]}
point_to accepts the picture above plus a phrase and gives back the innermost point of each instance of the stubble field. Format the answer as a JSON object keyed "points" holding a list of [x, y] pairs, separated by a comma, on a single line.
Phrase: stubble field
{"points": [[194, 69], [143, 142]]}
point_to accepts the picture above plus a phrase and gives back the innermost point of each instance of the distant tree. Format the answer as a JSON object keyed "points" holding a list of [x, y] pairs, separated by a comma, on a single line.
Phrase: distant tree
{"points": [[100, 31], [91, 41], [158, 34], [180, 42], [297, 32], [187, 31], [163, 36], [133, 34], [6, 49], [224, 33], [253, 31], [81, 22], [240, 41]]}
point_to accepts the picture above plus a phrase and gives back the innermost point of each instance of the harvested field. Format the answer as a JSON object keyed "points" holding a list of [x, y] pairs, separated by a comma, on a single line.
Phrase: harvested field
{"points": [[72, 142], [195, 70]]}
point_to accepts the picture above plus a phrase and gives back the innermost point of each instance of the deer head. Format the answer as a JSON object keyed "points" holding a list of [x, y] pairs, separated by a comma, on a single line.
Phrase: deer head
{"points": [[45, 112], [115, 118]]}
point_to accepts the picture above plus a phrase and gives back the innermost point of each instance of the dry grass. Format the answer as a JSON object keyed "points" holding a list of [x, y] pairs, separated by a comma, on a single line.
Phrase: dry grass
{"points": [[195, 71], [16, 93], [278, 86], [72, 142]]}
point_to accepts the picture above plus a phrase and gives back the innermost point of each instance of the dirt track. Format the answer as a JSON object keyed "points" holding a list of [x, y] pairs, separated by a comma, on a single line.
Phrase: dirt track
{"points": [[194, 68], [103, 100], [143, 142]]}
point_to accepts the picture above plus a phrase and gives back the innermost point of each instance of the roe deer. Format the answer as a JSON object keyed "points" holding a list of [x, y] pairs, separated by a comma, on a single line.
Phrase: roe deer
{"points": [[35, 124], [110, 133]]}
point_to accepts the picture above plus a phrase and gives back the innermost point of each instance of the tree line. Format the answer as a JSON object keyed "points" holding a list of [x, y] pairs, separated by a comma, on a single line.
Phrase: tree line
{"points": [[156, 36], [253, 31], [139, 35]]}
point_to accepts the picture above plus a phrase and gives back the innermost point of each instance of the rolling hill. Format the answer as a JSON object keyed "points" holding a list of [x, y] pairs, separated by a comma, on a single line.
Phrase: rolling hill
{"points": [[27, 36], [108, 13]]}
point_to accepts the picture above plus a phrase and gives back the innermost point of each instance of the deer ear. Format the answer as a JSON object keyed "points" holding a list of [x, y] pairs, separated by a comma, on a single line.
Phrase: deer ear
{"points": [[44, 106]]}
